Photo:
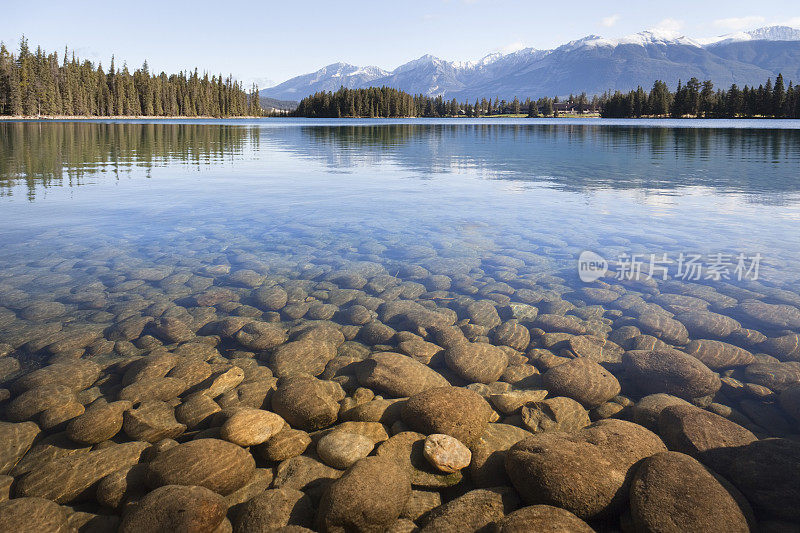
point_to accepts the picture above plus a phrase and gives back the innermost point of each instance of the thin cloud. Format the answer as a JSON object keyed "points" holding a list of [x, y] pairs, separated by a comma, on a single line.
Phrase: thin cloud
{"points": [[610, 20], [513, 47], [739, 23], [668, 24]]}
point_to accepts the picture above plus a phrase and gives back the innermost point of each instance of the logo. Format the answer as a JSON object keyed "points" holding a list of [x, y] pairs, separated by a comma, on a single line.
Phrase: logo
{"points": [[591, 266]]}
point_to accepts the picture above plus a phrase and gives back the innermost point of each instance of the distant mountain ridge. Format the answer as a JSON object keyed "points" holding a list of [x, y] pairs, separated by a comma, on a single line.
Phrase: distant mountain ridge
{"points": [[592, 64]]}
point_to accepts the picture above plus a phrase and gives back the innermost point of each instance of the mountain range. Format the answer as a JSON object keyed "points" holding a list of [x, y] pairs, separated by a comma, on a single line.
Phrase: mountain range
{"points": [[592, 64]]}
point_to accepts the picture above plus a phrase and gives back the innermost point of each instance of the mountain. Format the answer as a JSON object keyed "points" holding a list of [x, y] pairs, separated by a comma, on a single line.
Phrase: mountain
{"points": [[327, 78], [592, 64], [274, 104]]}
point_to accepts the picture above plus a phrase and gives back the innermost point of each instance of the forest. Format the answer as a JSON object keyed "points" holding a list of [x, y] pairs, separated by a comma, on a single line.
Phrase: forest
{"points": [[702, 100], [694, 99], [386, 102], [37, 83]]}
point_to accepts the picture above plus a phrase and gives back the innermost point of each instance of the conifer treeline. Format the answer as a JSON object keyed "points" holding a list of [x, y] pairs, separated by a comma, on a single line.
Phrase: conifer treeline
{"points": [[385, 102], [38, 83], [694, 99], [701, 100]]}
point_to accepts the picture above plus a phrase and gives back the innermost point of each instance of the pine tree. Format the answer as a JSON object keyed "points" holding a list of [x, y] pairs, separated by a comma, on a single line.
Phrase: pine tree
{"points": [[778, 97], [707, 99]]}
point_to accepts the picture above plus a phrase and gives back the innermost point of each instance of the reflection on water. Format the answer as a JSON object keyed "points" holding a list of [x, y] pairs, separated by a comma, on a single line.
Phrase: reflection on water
{"points": [[571, 157], [63, 153], [213, 249]]}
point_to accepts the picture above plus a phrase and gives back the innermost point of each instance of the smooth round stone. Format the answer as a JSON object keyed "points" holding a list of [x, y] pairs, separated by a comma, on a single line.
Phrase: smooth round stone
{"points": [[477, 510], [368, 497], [776, 316], [693, 431], [307, 403], [421, 502], [476, 362], [259, 336], [34, 401], [645, 412], [718, 354], [15, 441], [583, 380], [460, 413], [595, 348], [446, 453], [765, 471], [483, 313], [306, 356], [785, 348], [284, 445], [513, 334], [554, 414], [487, 468], [587, 472], [153, 389], [512, 401], [305, 473], [543, 518], [271, 298], [249, 427], [98, 423], [122, 486], [175, 508], [407, 448], [41, 311], [665, 328], [76, 375], [216, 464], [671, 372], [72, 476], [151, 421], [57, 416], [341, 449], [560, 323], [705, 324], [272, 510], [172, 330], [34, 515], [672, 492], [774, 375], [196, 411], [398, 375]]}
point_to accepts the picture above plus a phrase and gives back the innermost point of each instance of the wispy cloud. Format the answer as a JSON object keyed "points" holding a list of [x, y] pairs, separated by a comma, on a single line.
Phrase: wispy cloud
{"points": [[739, 23], [794, 22], [609, 20], [512, 47], [669, 24]]}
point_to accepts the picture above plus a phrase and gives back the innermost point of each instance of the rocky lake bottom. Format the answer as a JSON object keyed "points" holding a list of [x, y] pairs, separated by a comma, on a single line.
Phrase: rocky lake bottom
{"points": [[217, 327]]}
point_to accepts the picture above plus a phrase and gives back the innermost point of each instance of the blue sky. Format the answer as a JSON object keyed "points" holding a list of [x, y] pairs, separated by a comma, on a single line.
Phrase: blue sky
{"points": [[269, 42]]}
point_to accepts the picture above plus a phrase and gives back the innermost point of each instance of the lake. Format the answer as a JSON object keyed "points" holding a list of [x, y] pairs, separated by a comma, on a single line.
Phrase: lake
{"points": [[519, 260]]}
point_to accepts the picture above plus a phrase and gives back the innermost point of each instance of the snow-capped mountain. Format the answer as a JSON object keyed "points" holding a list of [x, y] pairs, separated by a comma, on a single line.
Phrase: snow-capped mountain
{"points": [[328, 78], [770, 33], [592, 64]]}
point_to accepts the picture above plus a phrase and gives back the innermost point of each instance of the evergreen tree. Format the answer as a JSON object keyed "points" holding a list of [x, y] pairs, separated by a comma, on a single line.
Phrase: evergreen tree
{"points": [[778, 97], [659, 100], [41, 84], [707, 99]]}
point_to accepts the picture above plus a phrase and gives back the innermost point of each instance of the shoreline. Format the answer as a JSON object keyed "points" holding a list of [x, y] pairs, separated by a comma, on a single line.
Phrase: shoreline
{"points": [[66, 118], [123, 117]]}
